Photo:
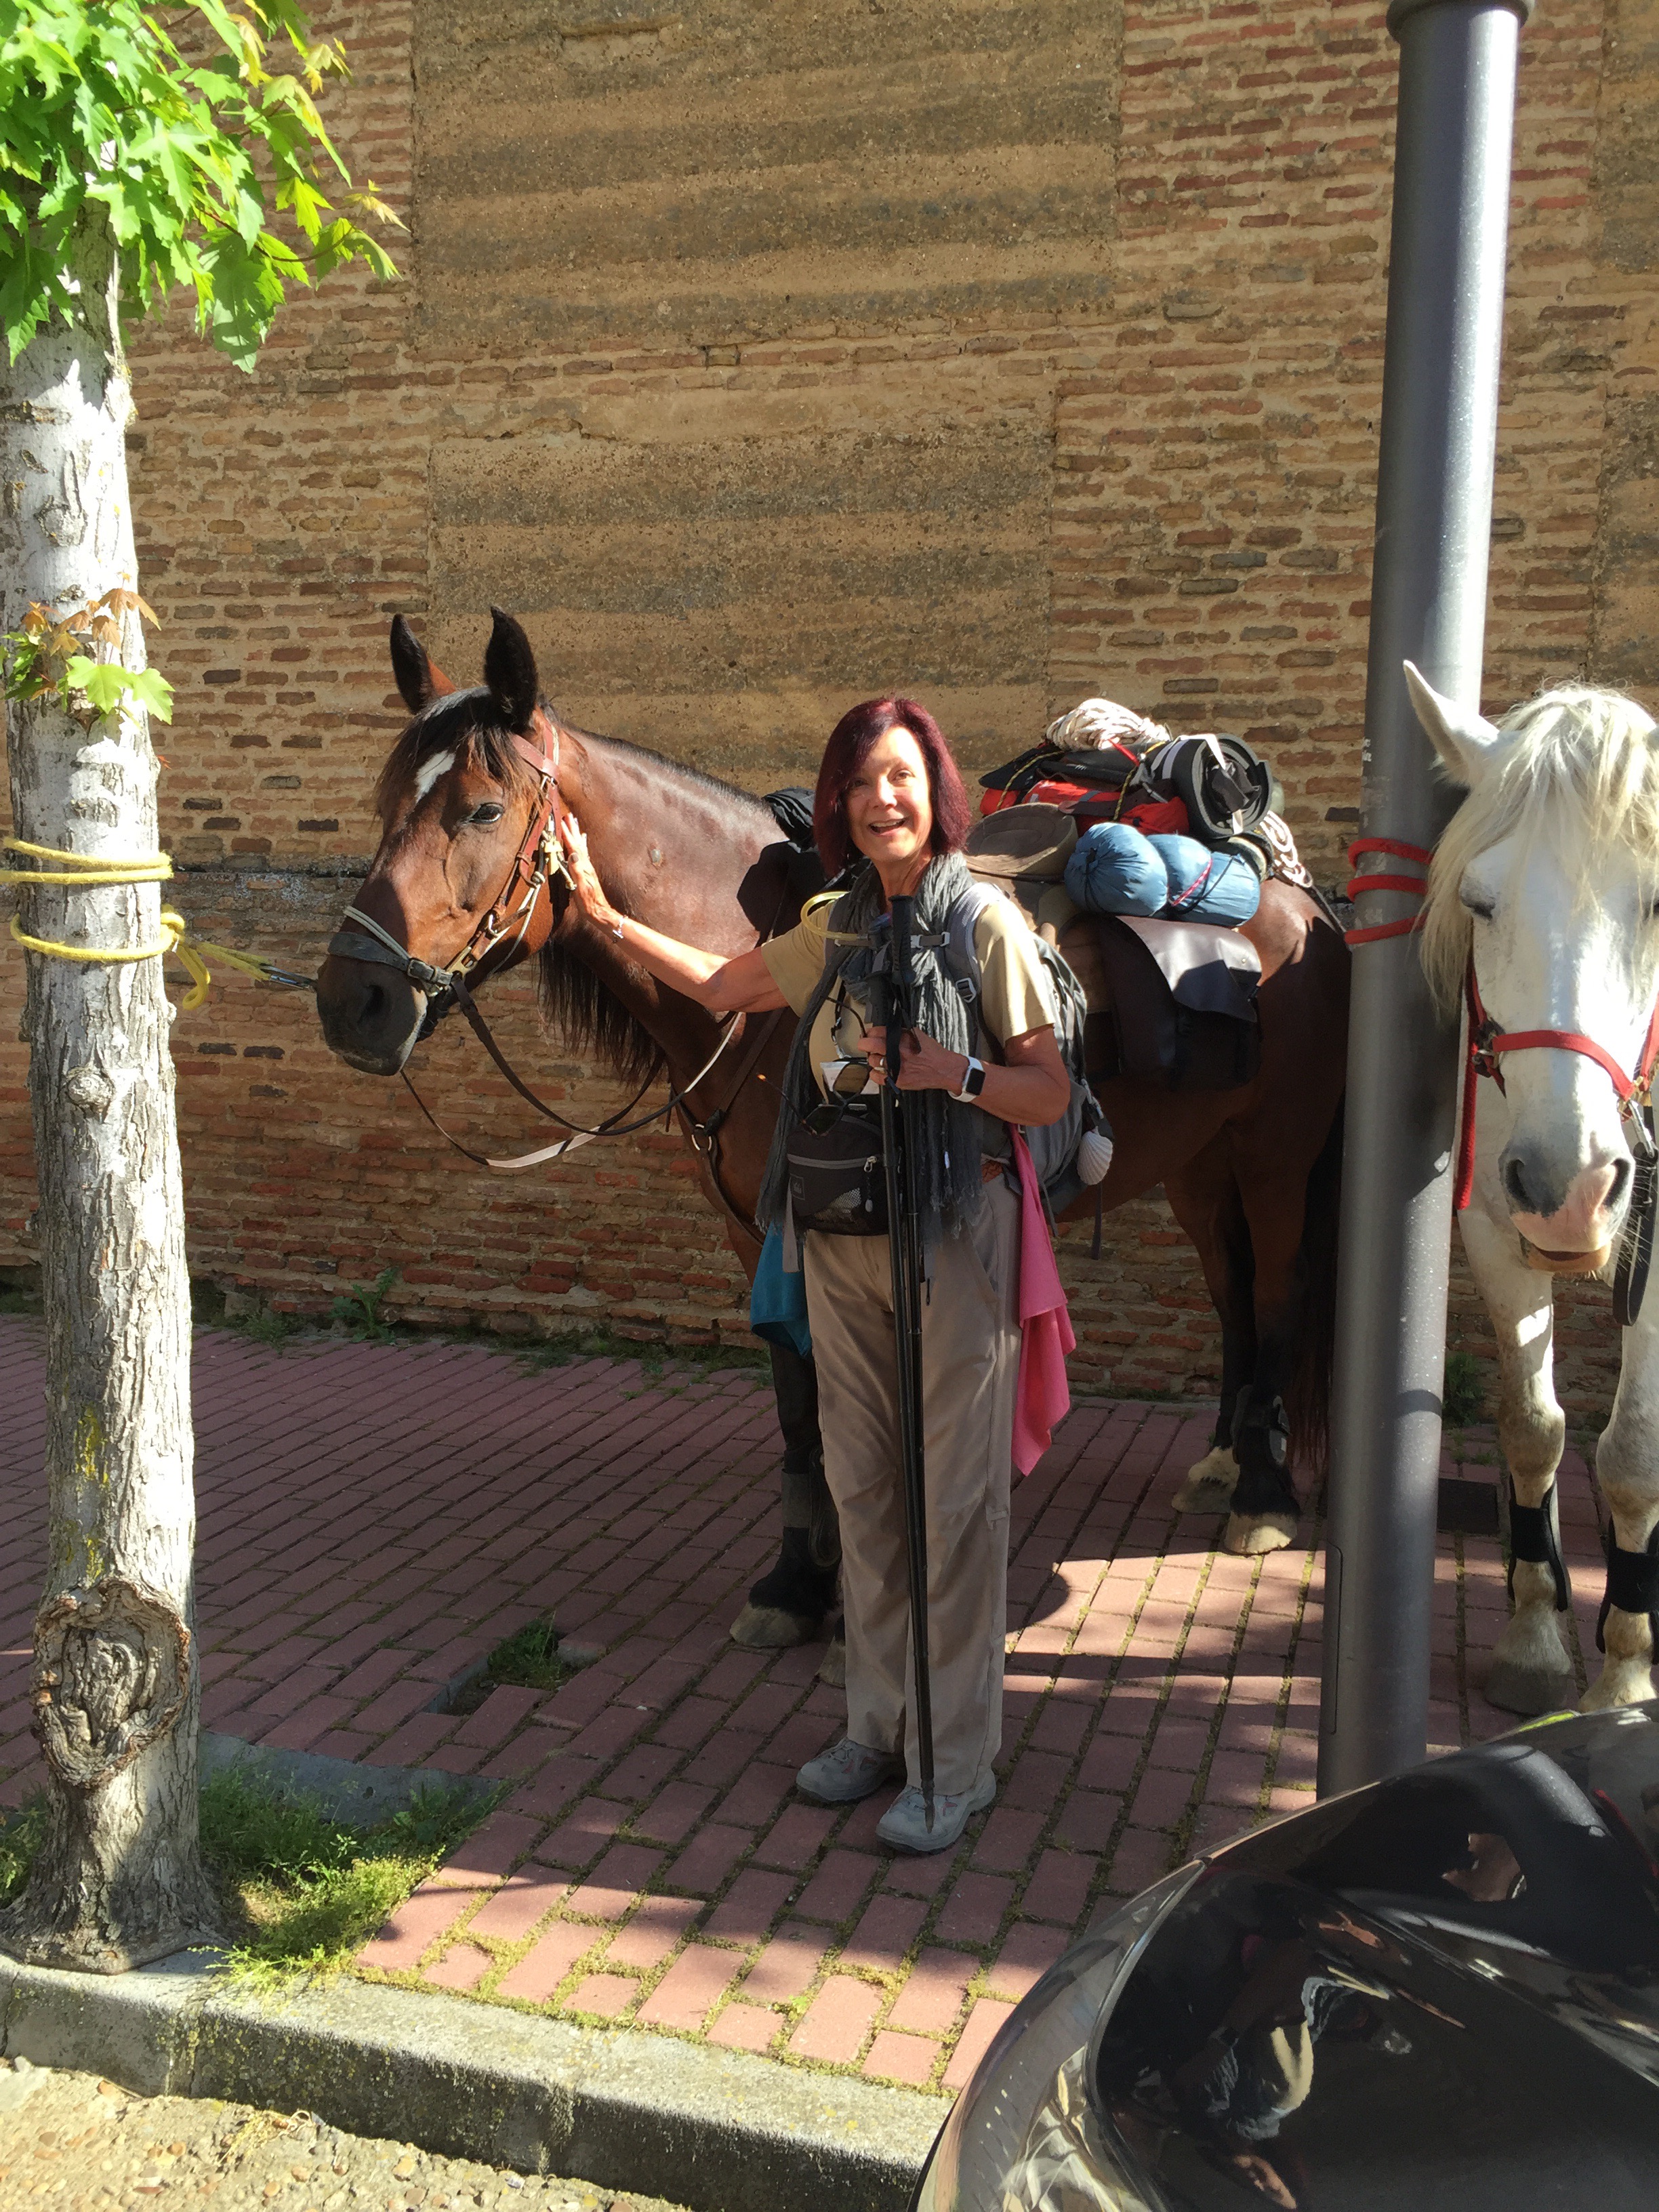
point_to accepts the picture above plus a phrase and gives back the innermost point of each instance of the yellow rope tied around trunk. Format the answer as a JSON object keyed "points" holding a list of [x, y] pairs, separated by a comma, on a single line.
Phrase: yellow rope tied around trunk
{"points": [[78, 871]]}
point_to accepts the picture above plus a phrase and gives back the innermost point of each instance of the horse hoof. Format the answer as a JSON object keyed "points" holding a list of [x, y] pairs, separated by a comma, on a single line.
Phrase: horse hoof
{"points": [[1622, 1683], [1207, 1486], [834, 1669], [1516, 1688], [768, 1628], [1249, 1535]]}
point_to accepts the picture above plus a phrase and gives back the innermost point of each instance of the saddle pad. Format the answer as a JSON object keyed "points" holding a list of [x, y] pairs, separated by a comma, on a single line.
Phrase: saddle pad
{"points": [[1170, 1003], [1208, 967]]}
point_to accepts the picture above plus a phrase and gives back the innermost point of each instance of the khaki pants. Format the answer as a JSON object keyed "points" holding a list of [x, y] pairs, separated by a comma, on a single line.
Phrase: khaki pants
{"points": [[970, 1365]]}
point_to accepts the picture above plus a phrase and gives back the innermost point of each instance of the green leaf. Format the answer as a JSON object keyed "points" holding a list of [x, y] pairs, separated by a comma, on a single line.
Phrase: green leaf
{"points": [[106, 683], [98, 106], [153, 692]]}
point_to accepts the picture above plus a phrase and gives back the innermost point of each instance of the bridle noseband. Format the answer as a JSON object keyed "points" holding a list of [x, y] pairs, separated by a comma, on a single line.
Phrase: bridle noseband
{"points": [[539, 858], [1486, 1042]]}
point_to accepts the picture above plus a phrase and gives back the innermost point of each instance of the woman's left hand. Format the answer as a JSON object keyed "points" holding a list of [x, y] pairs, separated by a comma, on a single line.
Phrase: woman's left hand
{"points": [[924, 1064]]}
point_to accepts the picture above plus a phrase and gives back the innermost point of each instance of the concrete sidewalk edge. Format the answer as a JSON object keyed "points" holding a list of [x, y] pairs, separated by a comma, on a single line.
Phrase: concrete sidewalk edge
{"points": [[716, 2130]]}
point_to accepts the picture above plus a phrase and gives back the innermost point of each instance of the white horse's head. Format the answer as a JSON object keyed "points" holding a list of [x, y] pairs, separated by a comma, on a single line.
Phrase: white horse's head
{"points": [[1548, 875]]}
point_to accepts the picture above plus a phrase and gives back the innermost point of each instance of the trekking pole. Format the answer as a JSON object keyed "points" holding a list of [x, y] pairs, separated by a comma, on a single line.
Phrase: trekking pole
{"points": [[900, 1140]]}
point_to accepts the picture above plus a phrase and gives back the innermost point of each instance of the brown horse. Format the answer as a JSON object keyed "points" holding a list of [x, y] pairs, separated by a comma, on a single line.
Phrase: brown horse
{"points": [[479, 776]]}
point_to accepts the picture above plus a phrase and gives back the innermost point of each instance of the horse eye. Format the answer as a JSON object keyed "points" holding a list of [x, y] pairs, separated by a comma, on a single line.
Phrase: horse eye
{"points": [[1476, 904], [485, 815]]}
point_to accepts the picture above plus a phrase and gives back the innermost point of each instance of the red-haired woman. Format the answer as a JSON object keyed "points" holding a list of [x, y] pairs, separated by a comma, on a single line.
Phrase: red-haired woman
{"points": [[889, 790]]}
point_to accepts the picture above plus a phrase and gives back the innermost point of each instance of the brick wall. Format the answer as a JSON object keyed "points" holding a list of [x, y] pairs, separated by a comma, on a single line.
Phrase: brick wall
{"points": [[761, 359]]}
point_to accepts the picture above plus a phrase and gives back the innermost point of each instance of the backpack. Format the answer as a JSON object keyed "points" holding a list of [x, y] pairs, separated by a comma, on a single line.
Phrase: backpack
{"points": [[1070, 1155]]}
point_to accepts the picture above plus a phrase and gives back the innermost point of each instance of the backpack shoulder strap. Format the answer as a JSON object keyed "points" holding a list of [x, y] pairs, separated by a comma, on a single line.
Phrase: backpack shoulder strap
{"points": [[961, 953]]}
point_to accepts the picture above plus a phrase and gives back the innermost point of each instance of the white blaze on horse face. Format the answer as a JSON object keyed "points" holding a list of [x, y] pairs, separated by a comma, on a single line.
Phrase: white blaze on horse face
{"points": [[1549, 955], [429, 771]]}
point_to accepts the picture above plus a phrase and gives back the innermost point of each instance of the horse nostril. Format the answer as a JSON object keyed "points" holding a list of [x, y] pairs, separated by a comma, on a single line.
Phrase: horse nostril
{"points": [[1515, 1187], [1621, 1174]]}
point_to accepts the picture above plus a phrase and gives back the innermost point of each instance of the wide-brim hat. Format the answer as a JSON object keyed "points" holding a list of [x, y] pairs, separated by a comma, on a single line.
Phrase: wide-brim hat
{"points": [[1024, 849], [1034, 841]]}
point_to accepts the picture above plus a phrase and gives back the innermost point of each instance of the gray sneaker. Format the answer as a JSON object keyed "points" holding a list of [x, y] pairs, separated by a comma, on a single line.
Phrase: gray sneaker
{"points": [[904, 1824], [849, 1771]]}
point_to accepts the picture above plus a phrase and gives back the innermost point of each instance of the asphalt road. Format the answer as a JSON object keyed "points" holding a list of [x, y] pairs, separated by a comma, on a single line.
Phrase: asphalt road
{"points": [[74, 2143]]}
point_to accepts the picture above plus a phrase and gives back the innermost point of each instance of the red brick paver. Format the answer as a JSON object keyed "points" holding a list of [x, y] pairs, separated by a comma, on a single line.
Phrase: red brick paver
{"points": [[374, 1518]]}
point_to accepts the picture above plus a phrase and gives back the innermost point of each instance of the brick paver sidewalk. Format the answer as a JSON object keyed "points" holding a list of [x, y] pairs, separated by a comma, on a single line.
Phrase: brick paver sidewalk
{"points": [[374, 1518]]}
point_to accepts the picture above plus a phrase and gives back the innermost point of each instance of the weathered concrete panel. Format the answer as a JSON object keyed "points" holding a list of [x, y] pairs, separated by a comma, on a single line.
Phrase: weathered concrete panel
{"points": [[729, 172], [793, 573]]}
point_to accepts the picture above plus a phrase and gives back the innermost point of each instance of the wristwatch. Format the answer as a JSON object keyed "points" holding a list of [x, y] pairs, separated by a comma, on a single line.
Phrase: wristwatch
{"points": [[972, 1082]]}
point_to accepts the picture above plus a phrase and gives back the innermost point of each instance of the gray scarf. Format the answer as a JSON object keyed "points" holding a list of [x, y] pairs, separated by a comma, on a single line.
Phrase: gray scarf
{"points": [[947, 1174]]}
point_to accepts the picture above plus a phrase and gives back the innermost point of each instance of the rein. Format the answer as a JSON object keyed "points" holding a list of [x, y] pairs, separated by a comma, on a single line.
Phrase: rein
{"points": [[1487, 1042]]}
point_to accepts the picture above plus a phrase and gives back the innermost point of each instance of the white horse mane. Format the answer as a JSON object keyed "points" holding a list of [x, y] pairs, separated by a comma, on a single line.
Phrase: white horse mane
{"points": [[1574, 763]]}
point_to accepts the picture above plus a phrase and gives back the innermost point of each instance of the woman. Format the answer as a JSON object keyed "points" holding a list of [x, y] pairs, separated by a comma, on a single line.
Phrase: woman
{"points": [[889, 790]]}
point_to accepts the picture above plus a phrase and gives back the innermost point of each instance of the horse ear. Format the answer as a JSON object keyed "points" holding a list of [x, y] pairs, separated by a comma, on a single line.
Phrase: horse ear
{"points": [[510, 672], [419, 680], [1460, 737]]}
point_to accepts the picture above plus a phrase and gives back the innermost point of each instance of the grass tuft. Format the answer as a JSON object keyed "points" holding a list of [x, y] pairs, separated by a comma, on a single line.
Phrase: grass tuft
{"points": [[1463, 1390], [22, 1834], [303, 1892], [527, 1660]]}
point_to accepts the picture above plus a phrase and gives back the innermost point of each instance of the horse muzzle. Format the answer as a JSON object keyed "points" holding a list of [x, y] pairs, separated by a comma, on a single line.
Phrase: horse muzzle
{"points": [[371, 1015], [1568, 1217]]}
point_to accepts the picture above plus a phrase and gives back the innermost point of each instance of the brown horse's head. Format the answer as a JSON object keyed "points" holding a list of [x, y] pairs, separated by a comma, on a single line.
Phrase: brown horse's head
{"points": [[455, 800]]}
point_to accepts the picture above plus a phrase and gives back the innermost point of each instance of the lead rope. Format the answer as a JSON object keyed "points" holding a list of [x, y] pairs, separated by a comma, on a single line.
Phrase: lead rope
{"points": [[84, 872]]}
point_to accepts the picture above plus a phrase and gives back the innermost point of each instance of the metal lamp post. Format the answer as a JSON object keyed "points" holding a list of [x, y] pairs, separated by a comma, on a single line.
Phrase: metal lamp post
{"points": [[1457, 77]]}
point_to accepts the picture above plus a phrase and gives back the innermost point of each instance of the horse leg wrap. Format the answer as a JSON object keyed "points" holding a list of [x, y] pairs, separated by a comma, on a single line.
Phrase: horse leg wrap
{"points": [[807, 1504], [804, 1581], [1633, 1586], [1535, 1537], [1261, 1445]]}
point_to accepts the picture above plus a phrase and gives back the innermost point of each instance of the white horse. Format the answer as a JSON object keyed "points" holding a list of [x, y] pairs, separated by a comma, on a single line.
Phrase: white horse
{"points": [[1543, 889]]}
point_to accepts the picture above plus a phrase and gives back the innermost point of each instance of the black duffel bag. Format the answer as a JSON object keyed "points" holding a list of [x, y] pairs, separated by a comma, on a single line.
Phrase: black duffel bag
{"points": [[838, 1171]]}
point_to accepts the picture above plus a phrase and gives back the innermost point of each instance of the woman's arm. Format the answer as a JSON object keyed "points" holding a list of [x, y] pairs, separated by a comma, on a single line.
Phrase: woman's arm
{"points": [[742, 986], [1031, 1087]]}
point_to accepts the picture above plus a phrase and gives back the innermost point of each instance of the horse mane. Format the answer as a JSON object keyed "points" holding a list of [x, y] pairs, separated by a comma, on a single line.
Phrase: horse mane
{"points": [[1573, 761], [572, 1003]]}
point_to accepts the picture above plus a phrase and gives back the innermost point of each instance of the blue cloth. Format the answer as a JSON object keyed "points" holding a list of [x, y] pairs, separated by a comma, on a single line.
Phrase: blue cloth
{"points": [[1205, 886], [777, 1304], [1112, 869]]}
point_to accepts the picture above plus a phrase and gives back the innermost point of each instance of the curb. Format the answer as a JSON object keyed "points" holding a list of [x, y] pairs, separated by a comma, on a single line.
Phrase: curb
{"points": [[714, 2130]]}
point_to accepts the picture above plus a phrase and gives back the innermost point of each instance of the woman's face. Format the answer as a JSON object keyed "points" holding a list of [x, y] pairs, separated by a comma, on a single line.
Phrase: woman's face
{"points": [[889, 809]]}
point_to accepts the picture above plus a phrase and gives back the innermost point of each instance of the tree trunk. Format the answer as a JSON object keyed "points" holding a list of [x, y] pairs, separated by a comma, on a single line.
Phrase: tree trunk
{"points": [[115, 1684]]}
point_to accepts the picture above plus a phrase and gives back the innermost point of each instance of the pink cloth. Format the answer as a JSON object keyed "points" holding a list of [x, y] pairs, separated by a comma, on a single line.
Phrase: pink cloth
{"points": [[1041, 1397]]}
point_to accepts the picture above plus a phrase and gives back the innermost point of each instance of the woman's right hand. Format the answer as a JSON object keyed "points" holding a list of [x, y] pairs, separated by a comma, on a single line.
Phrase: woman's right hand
{"points": [[585, 887]]}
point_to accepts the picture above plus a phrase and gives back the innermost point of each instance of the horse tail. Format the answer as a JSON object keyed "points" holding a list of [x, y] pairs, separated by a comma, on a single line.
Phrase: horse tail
{"points": [[1309, 1400]]}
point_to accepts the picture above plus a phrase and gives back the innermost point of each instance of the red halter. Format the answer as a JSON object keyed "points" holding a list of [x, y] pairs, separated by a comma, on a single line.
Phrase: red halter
{"points": [[1486, 1042]]}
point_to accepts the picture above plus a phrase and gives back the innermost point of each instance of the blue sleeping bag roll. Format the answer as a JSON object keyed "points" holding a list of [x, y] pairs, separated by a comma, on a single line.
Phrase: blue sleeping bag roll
{"points": [[1204, 885], [1112, 869]]}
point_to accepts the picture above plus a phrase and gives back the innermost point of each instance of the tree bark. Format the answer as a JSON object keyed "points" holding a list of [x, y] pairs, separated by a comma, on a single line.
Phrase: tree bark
{"points": [[115, 1684]]}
